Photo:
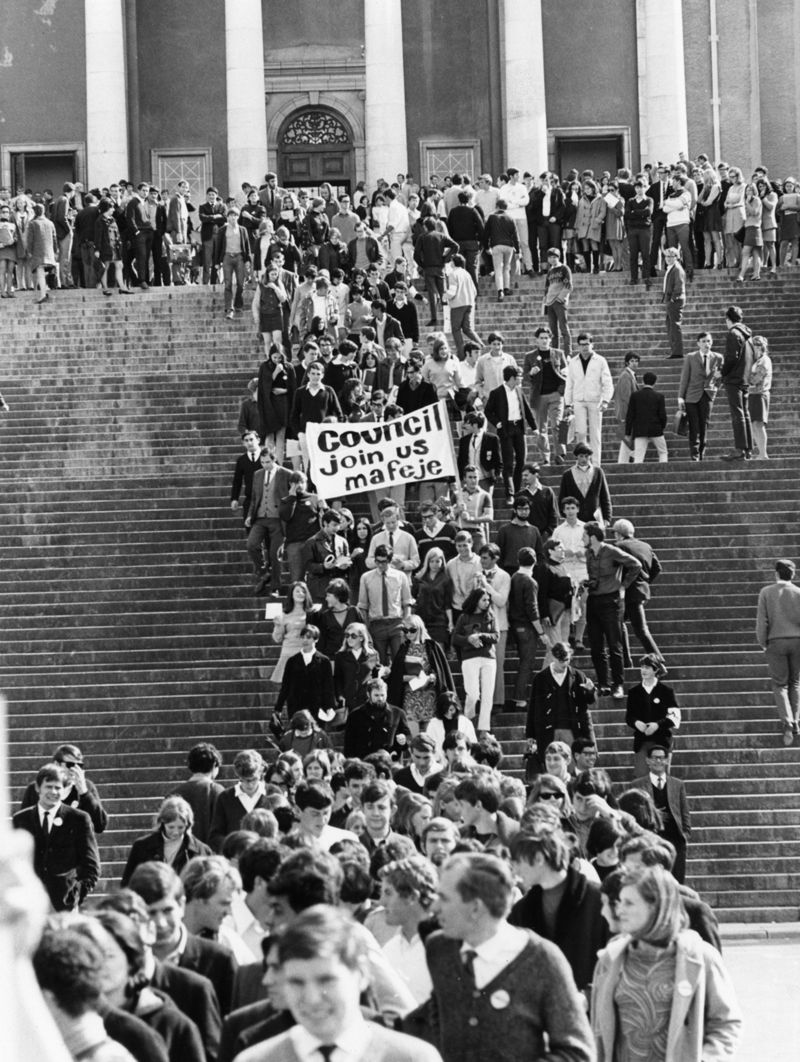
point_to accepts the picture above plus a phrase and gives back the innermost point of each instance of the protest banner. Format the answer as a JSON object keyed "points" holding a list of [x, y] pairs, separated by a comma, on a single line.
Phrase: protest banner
{"points": [[349, 458]]}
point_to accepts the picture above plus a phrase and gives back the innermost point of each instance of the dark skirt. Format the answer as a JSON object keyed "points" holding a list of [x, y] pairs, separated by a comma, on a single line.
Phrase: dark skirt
{"points": [[758, 407]]}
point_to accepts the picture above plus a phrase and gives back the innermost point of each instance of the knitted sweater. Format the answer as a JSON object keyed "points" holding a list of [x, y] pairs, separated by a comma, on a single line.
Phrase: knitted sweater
{"points": [[506, 1020]]}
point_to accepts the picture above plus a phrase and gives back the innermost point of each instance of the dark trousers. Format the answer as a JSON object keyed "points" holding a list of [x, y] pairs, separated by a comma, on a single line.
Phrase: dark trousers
{"points": [[88, 262], [674, 308], [557, 319], [526, 639], [548, 235], [698, 414], [387, 637], [143, 249], [604, 613], [512, 450], [740, 417], [471, 249], [266, 532], [639, 244], [659, 224], [434, 283], [634, 614]]}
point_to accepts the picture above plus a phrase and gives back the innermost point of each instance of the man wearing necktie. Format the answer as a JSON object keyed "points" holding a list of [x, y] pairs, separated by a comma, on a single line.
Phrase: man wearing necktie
{"points": [[324, 969], [700, 374], [65, 855], [669, 796]]}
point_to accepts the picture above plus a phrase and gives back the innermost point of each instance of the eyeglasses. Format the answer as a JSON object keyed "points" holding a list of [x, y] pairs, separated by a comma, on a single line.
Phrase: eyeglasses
{"points": [[409, 630], [69, 764], [352, 634], [550, 796]]}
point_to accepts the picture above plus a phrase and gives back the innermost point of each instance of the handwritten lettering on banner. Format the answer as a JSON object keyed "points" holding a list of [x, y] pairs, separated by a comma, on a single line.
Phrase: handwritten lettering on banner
{"points": [[348, 458]]}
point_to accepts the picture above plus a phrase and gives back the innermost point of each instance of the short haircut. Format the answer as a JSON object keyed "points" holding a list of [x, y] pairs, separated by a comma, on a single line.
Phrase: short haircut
{"points": [[439, 824], [585, 337], [203, 875], [306, 878], [236, 844], [526, 557], [155, 882], [580, 745], [376, 791], [422, 743], [570, 501], [261, 860], [594, 530], [52, 772], [649, 378], [603, 834], [632, 356], [316, 795], [495, 337], [785, 569], [490, 549], [357, 770], [70, 965], [734, 314], [483, 877], [247, 763], [414, 876], [479, 789], [322, 931], [510, 372]]}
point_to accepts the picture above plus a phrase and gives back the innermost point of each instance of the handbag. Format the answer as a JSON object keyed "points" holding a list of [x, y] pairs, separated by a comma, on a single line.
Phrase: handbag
{"points": [[681, 424]]}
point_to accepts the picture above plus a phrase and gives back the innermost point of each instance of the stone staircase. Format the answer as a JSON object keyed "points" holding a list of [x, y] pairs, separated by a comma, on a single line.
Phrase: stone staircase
{"points": [[126, 617]]}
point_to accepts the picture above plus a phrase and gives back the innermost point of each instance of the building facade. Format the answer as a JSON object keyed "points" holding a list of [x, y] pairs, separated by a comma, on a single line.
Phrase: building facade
{"points": [[219, 91]]}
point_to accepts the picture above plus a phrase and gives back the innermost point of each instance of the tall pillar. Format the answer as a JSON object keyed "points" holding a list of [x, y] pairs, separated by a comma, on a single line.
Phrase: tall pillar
{"points": [[385, 104], [106, 104], [246, 102], [525, 113], [663, 125]]}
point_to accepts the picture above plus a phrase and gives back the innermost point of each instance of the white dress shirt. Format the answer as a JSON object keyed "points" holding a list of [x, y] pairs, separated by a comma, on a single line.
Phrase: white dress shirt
{"points": [[495, 954]]}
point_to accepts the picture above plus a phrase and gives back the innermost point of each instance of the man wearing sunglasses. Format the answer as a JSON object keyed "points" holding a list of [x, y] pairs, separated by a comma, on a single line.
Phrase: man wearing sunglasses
{"points": [[80, 794]]}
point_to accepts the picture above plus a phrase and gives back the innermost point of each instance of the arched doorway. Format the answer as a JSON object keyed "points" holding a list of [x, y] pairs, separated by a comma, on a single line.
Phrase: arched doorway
{"points": [[316, 145]]}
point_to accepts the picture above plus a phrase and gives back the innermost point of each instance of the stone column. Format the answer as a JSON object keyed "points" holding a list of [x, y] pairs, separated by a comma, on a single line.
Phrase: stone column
{"points": [[525, 113], [385, 104], [663, 125], [246, 102], [106, 103]]}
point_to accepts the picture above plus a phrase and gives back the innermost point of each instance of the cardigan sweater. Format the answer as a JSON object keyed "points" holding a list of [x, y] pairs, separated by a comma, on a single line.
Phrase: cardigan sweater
{"points": [[506, 1020]]}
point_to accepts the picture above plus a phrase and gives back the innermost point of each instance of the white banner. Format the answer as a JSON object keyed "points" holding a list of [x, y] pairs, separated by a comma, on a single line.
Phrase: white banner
{"points": [[349, 458]]}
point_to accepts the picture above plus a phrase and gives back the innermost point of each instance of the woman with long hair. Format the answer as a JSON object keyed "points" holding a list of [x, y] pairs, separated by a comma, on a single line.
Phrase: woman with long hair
{"points": [[759, 394], [358, 539], [589, 218], [733, 218], [660, 993], [788, 215], [753, 238], [769, 226], [276, 387], [289, 622], [353, 667], [448, 718], [476, 636], [171, 842], [269, 302], [414, 812], [709, 198], [433, 592], [419, 674]]}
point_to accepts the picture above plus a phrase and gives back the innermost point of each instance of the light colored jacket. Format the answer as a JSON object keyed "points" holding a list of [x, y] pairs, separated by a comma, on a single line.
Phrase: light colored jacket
{"points": [[594, 385], [705, 1021]]}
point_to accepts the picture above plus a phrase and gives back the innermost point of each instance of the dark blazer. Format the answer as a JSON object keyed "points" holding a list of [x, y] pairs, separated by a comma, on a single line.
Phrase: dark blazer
{"points": [[228, 814], [237, 1021], [370, 729], [135, 1036], [282, 484], [392, 327], [676, 799], [433, 249], [674, 284], [639, 590], [213, 961], [642, 708], [194, 994], [647, 414], [350, 677], [382, 376], [489, 453], [497, 409], [315, 552], [201, 795], [151, 847], [309, 687], [597, 496], [534, 208], [219, 244], [243, 472], [88, 802], [580, 929], [411, 400], [541, 709], [180, 1035], [67, 861], [533, 360], [658, 192]]}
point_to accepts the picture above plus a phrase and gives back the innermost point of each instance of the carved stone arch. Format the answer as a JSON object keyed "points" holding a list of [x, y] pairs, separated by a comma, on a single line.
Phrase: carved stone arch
{"points": [[315, 143]]}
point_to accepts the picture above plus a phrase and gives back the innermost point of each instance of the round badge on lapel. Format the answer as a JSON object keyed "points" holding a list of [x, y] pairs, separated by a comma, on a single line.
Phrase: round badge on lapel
{"points": [[500, 999], [684, 988], [58, 822]]}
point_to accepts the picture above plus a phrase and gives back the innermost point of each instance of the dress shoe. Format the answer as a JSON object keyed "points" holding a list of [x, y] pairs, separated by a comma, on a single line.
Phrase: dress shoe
{"points": [[500, 296], [618, 693], [735, 455]]}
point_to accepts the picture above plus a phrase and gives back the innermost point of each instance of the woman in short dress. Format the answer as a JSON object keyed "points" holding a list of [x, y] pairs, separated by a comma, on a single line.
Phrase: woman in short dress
{"points": [[753, 239], [276, 387], [419, 655], [289, 623], [788, 214], [769, 226], [758, 395], [10, 243], [108, 247], [708, 198], [733, 220], [268, 305]]}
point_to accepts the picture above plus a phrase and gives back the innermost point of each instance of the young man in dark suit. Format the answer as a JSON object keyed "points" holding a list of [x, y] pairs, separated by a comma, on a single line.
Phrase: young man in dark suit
{"points": [[478, 448], [80, 793], [669, 796], [307, 680], [508, 410], [646, 420], [674, 299], [262, 520], [65, 856], [162, 890]]}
